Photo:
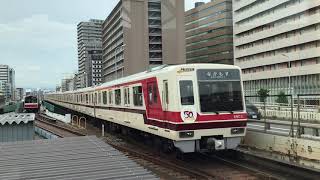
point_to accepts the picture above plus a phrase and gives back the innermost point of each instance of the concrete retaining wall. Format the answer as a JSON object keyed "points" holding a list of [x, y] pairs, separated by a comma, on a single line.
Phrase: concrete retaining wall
{"points": [[64, 118]]}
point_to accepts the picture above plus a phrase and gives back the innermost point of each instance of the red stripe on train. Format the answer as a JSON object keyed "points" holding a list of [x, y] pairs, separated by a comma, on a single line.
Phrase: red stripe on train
{"points": [[196, 126], [175, 117]]}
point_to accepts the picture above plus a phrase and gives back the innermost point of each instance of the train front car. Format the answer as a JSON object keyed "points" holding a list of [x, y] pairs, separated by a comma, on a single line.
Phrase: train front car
{"points": [[211, 107], [31, 104]]}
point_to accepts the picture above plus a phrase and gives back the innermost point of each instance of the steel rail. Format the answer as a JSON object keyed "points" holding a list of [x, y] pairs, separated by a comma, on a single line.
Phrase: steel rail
{"points": [[181, 168], [44, 119]]}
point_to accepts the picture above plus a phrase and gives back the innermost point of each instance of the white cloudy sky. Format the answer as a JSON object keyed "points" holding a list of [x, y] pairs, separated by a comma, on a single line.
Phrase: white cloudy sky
{"points": [[38, 37]]}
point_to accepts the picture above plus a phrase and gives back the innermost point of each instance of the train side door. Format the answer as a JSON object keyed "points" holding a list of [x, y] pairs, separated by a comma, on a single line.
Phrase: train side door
{"points": [[153, 100], [165, 100], [165, 95]]}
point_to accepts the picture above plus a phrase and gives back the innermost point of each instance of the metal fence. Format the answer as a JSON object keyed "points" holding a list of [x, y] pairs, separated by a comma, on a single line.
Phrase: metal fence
{"points": [[301, 113]]}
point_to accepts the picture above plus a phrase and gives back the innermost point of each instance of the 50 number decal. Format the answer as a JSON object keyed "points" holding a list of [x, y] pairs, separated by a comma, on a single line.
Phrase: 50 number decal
{"points": [[188, 114]]}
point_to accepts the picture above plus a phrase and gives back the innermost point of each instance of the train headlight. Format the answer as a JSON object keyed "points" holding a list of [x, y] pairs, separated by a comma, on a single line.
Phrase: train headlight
{"points": [[186, 134], [237, 131]]}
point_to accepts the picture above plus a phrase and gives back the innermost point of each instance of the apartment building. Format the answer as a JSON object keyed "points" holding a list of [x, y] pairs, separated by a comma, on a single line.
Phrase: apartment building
{"points": [[139, 34], [277, 45], [20, 93], [1, 88], [89, 53], [7, 77], [209, 32]]}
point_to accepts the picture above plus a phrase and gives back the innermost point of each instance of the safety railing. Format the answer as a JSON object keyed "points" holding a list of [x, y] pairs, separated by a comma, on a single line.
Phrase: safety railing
{"points": [[299, 113]]}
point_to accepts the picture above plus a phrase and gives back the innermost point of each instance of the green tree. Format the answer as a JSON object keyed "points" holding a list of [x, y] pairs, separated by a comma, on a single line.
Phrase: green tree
{"points": [[282, 98], [263, 94]]}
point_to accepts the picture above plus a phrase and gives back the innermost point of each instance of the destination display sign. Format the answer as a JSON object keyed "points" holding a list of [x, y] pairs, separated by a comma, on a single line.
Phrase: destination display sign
{"points": [[218, 74]]}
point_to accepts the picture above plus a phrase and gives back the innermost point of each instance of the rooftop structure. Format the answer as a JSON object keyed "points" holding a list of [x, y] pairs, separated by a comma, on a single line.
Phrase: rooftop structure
{"points": [[73, 158], [16, 127]]}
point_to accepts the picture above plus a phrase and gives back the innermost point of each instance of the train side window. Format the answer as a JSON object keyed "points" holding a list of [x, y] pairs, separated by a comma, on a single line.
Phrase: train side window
{"points": [[87, 99], [104, 97], [128, 91], [186, 92], [166, 91], [99, 97], [137, 96], [155, 93], [92, 100], [126, 96], [150, 93], [117, 96], [110, 97]]}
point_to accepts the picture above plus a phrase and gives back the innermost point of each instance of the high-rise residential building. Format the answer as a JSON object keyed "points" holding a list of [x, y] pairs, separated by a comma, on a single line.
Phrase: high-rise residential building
{"points": [[277, 45], [90, 53], [1, 88], [19, 94], [7, 77], [67, 84], [77, 81], [209, 32], [58, 88], [139, 34]]}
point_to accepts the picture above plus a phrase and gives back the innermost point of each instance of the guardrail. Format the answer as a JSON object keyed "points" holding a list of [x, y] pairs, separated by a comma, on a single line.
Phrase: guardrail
{"points": [[297, 109], [296, 129]]}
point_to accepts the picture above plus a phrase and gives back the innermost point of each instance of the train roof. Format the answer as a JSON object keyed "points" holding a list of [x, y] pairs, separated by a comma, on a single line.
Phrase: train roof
{"points": [[149, 73]]}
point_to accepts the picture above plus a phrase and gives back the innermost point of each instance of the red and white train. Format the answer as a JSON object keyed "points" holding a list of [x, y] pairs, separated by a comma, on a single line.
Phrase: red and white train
{"points": [[31, 104], [195, 107]]}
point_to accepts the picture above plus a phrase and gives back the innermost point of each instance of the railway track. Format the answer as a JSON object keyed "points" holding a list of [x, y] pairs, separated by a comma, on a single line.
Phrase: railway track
{"points": [[57, 128], [195, 166], [174, 169]]}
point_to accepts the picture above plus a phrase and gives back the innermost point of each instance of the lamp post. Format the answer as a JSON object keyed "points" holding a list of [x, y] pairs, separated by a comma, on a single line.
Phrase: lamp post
{"points": [[291, 93], [289, 62], [115, 59]]}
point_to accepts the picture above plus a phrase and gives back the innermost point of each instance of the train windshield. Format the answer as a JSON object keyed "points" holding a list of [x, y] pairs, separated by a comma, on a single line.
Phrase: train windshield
{"points": [[31, 100], [220, 90]]}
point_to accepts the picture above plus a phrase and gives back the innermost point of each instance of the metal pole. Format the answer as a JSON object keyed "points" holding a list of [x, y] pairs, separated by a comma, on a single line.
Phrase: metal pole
{"points": [[265, 116], [292, 129], [102, 128], [290, 77], [299, 118]]}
